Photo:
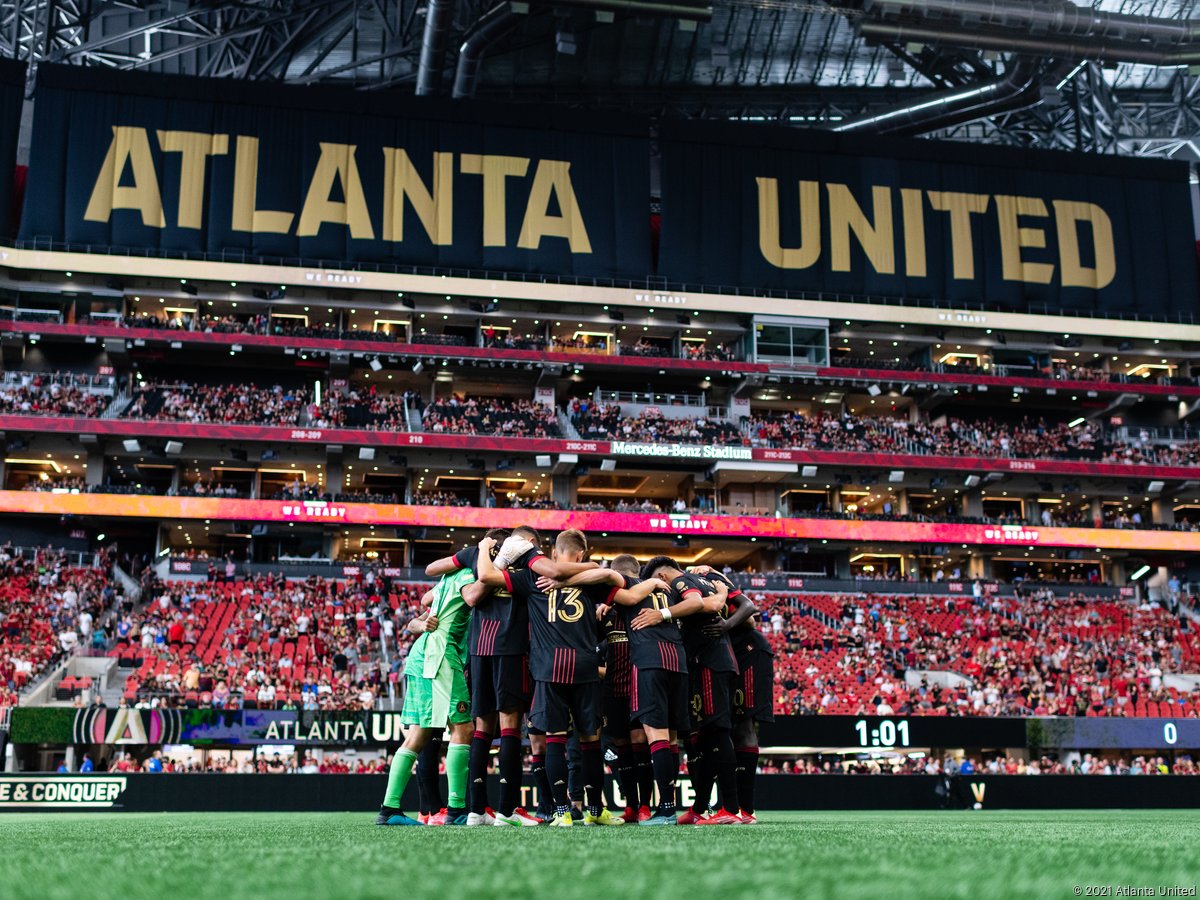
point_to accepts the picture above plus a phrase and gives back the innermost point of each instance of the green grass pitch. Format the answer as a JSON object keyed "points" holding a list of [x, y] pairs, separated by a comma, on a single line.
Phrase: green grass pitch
{"points": [[814, 854]]}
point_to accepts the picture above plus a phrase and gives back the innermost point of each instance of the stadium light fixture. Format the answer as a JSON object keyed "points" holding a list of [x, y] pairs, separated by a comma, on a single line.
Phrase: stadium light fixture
{"points": [[1076, 422], [1139, 573]]}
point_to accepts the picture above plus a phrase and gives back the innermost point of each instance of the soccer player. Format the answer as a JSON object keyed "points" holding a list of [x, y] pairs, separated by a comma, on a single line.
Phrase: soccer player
{"points": [[659, 695], [435, 695], [712, 668], [500, 681], [429, 787], [616, 677], [752, 697], [563, 662]]}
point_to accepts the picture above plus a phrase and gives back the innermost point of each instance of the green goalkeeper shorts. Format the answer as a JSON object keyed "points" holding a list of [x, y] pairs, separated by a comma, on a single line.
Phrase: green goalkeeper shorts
{"points": [[436, 702]]}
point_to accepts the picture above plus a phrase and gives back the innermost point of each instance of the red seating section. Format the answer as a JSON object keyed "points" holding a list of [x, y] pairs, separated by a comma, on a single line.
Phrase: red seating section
{"points": [[1066, 655], [235, 651]]}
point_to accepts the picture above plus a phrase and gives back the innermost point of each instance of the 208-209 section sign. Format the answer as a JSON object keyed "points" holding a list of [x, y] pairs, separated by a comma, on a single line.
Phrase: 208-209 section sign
{"points": [[195, 165]]}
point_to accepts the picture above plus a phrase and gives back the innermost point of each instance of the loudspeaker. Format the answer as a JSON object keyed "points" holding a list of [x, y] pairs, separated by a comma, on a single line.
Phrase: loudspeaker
{"points": [[132, 446], [366, 453], [174, 447]]}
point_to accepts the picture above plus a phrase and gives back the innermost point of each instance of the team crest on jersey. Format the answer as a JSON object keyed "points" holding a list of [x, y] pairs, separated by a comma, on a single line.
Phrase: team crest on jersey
{"points": [[462, 706]]}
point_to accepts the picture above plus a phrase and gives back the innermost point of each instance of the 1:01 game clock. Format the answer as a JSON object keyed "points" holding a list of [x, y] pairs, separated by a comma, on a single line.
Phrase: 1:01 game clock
{"points": [[882, 733]]}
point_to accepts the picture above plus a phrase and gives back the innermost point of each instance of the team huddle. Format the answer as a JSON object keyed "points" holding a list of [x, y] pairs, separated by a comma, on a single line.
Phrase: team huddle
{"points": [[650, 658]]}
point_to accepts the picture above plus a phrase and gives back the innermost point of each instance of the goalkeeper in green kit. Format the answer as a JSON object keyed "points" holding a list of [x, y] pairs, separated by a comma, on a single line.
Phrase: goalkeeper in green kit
{"points": [[435, 696]]}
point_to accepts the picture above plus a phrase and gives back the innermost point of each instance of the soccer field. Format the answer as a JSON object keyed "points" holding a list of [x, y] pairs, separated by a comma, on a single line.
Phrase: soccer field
{"points": [[820, 854]]}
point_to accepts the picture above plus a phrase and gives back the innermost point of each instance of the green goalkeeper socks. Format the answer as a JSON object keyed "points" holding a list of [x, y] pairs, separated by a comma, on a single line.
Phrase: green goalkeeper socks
{"points": [[457, 756], [401, 772]]}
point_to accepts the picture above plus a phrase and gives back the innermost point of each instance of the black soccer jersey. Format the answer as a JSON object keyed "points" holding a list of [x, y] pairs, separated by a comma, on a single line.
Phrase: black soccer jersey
{"points": [[714, 653], [498, 627], [618, 670], [657, 647], [563, 630], [745, 638], [468, 558]]}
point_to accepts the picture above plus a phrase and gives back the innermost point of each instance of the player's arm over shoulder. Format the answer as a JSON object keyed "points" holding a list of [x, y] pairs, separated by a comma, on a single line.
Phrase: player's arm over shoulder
{"points": [[543, 565]]}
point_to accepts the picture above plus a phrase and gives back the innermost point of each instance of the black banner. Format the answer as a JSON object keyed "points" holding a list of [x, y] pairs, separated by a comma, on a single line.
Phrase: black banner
{"points": [[12, 97], [194, 165], [899, 732], [379, 728], [855, 214], [362, 793]]}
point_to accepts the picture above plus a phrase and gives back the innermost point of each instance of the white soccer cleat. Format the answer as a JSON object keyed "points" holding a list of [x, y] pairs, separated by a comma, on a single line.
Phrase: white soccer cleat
{"points": [[476, 819], [519, 817]]}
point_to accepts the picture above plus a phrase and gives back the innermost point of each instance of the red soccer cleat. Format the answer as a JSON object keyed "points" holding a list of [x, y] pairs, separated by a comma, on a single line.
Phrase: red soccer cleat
{"points": [[630, 816], [748, 818], [438, 818], [644, 813], [690, 817], [720, 817]]}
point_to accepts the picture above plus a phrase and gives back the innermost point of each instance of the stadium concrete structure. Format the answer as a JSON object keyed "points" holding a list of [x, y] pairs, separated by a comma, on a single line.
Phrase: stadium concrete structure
{"points": [[274, 337]]}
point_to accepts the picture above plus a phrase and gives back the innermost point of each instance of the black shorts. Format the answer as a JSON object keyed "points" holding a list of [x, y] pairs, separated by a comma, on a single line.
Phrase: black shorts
{"points": [[557, 708], [660, 699], [616, 716], [712, 698], [499, 683], [753, 694]]}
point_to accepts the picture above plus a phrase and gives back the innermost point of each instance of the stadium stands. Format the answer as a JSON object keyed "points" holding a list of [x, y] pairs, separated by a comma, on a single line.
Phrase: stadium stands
{"points": [[262, 643], [48, 611], [496, 415], [1043, 654]]}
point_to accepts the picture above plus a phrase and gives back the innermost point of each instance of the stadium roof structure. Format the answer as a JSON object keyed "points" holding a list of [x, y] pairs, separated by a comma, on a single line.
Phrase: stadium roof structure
{"points": [[1109, 76]]}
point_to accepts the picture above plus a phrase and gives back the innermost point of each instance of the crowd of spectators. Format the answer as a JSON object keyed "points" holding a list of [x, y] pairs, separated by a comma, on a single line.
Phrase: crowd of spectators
{"points": [[1033, 654], [967, 766], [366, 408], [708, 352], [53, 399], [262, 642], [1056, 372], [506, 340], [503, 416], [645, 347], [438, 498], [1029, 438], [202, 487], [220, 764], [229, 403], [584, 344], [50, 484], [329, 763], [49, 610], [533, 502], [363, 496], [604, 422]]}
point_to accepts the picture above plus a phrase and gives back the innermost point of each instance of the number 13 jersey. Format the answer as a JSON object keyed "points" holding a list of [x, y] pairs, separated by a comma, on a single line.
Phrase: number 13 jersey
{"points": [[563, 631]]}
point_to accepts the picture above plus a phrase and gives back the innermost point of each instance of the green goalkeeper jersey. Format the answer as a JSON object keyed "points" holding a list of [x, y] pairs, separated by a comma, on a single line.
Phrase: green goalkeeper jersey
{"points": [[449, 641]]}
